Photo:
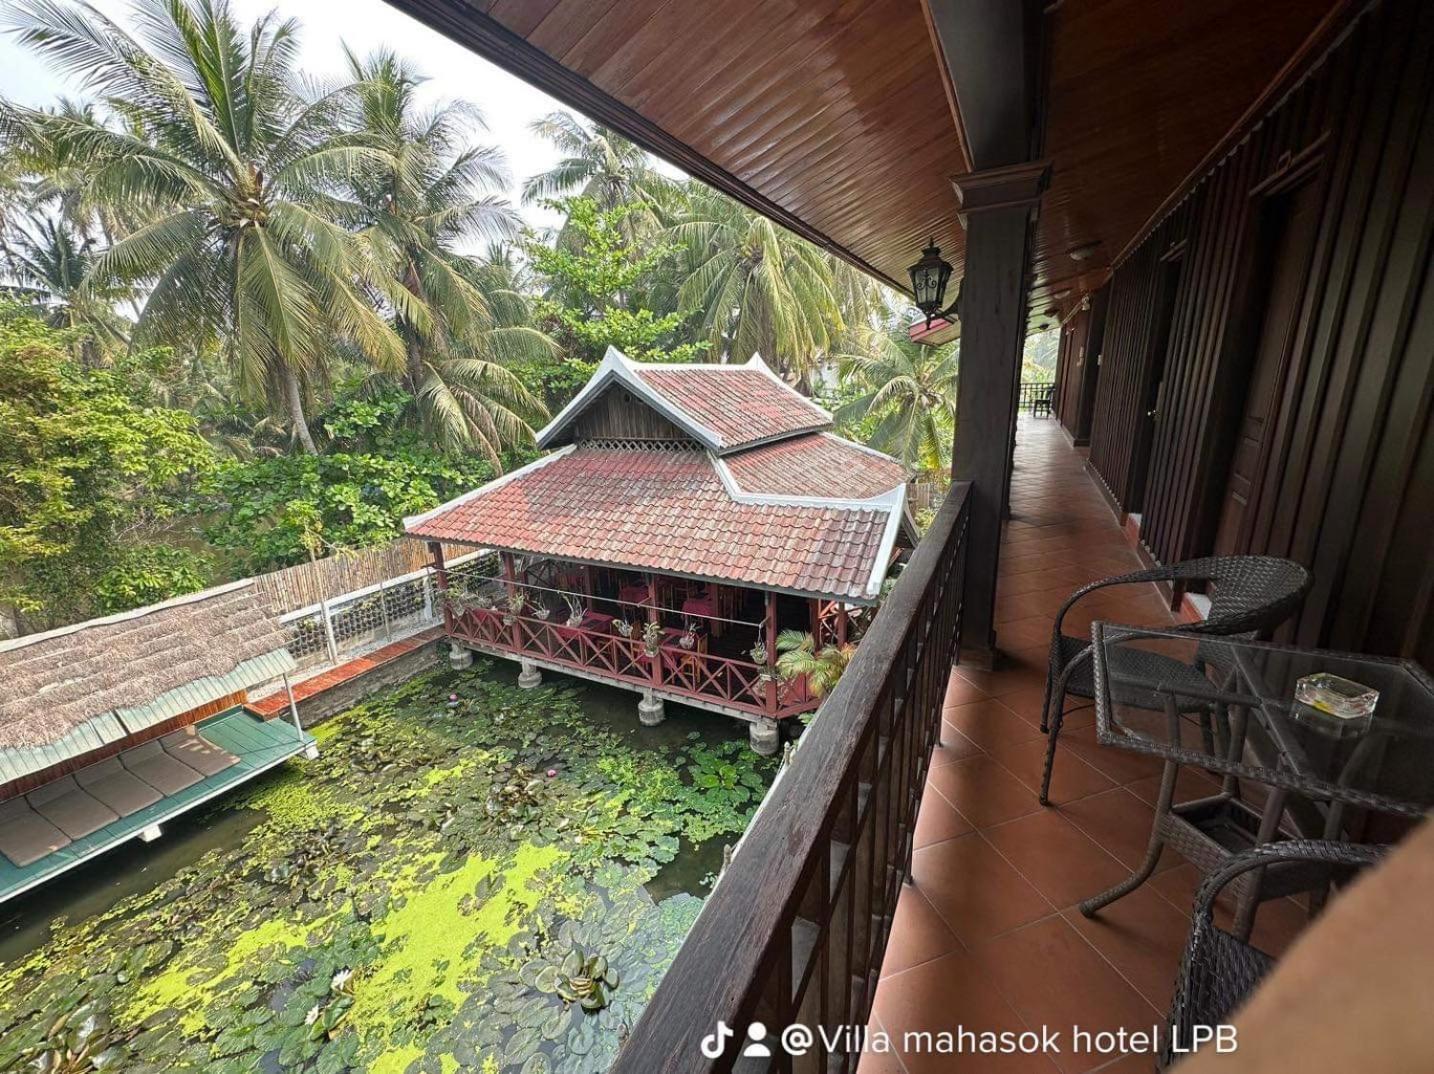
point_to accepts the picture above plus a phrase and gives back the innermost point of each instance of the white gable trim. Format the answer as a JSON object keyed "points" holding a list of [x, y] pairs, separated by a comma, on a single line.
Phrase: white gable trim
{"points": [[513, 475], [617, 367], [888, 542]]}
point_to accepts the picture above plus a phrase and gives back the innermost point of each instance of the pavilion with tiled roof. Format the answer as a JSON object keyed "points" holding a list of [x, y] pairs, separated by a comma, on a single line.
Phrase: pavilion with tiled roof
{"points": [[684, 515]]}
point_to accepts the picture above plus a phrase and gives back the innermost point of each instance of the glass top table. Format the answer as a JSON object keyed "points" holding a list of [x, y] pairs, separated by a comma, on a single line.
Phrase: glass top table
{"points": [[1228, 705]]}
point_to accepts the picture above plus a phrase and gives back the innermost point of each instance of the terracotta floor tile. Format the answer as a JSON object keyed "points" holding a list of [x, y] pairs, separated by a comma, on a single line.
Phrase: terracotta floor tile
{"points": [[1056, 857], [983, 791], [938, 820], [1020, 633], [1027, 702], [943, 996], [1142, 936], [1071, 778], [1121, 765], [917, 934], [990, 724], [952, 747], [1278, 922], [1120, 824], [1052, 977], [975, 890], [1191, 783], [961, 691]]}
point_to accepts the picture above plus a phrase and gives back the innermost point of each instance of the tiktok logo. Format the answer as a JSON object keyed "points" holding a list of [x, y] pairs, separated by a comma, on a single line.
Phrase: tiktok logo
{"points": [[715, 1043]]}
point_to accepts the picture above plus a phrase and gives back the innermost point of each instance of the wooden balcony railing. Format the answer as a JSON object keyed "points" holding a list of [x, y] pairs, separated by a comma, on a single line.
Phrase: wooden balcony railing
{"points": [[795, 930], [738, 684], [1035, 394]]}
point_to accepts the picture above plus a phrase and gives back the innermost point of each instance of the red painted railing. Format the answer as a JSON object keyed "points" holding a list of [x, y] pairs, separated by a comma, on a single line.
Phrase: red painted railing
{"points": [[707, 676]]}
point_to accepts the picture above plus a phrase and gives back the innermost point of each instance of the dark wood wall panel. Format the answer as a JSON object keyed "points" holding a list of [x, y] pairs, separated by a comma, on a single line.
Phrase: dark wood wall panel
{"points": [[618, 416], [1346, 474]]}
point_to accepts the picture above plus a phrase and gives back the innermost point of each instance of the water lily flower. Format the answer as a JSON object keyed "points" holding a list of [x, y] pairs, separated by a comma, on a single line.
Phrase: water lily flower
{"points": [[552, 772], [312, 1016], [452, 697], [340, 979]]}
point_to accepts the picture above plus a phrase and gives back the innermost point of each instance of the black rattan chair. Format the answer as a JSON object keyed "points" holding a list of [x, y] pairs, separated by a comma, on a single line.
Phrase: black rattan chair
{"points": [[1218, 971], [1252, 595]]}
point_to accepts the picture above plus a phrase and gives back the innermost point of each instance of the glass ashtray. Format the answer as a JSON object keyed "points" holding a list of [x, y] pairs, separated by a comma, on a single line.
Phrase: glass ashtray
{"points": [[1336, 696]]}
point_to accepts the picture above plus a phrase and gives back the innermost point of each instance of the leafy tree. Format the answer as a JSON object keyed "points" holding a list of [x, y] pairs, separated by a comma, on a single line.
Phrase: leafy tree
{"points": [[903, 396], [602, 166], [460, 324], [277, 511], [52, 258], [90, 470], [595, 290], [224, 157], [755, 287]]}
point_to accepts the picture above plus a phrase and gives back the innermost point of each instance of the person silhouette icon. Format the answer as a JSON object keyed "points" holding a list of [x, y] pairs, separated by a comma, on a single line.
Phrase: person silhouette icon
{"points": [[757, 1032]]}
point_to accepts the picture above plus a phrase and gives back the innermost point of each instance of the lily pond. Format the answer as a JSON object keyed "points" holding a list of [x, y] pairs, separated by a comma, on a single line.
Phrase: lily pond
{"points": [[472, 877]]}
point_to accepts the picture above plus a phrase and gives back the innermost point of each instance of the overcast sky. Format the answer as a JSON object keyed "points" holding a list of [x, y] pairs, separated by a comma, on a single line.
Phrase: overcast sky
{"points": [[508, 104]]}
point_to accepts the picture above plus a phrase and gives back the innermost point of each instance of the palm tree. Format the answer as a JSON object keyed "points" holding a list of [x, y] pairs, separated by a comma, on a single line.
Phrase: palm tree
{"points": [[906, 396], [224, 157], [603, 166], [56, 261], [800, 656], [427, 192], [755, 287]]}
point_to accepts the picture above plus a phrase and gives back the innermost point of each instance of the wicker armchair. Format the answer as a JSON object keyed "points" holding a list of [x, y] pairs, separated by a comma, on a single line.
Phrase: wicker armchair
{"points": [[1218, 971], [1252, 596]]}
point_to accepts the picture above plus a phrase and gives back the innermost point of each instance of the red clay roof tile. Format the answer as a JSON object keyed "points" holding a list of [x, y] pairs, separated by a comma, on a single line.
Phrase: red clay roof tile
{"points": [[667, 511]]}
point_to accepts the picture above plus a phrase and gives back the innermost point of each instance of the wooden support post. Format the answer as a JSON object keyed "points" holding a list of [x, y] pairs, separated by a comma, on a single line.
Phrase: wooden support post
{"points": [[997, 211], [841, 624], [655, 660], [770, 630], [510, 582]]}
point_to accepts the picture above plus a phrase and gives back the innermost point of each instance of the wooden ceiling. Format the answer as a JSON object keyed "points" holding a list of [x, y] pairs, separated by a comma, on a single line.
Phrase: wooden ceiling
{"points": [[832, 115], [1138, 94]]}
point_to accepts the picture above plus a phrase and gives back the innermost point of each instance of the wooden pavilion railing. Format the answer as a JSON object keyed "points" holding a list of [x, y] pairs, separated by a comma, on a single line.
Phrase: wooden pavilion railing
{"points": [[738, 684], [796, 928], [1035, 394]]}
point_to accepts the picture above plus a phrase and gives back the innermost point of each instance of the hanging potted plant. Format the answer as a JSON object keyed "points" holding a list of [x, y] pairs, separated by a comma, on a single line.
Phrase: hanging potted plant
{"points": [[514, 609], [652, 636], [688, 640], [623, 627], [576, 611]]}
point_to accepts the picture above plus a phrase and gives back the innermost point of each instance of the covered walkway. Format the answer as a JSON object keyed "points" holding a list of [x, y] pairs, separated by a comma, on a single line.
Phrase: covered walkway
{"points": [[988, 934]]}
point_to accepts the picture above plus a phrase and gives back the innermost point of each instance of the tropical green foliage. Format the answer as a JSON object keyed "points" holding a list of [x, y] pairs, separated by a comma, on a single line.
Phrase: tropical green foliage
{"points": [[823, 667], [901, 396], [461, 322], [336, 271], [223, 158], [89, 471], [274, 511], [755, 288], [595, 297]]}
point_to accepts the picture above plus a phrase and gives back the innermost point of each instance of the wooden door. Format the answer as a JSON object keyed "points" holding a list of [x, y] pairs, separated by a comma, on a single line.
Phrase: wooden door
{"points": [[1292, 221], [1153, 378]]}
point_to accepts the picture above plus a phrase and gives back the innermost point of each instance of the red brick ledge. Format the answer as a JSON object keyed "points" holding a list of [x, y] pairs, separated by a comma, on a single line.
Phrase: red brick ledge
{"points": [[278, 702]]}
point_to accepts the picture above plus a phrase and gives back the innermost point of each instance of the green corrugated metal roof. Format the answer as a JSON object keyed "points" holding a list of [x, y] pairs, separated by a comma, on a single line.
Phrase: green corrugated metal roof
{"points": [[259, 745]]}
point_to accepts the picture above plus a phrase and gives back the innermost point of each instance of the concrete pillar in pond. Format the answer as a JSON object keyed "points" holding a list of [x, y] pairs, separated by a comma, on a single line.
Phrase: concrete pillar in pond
{"points": [[650, 710], [762, 734], [529, 676], [459, 656]]}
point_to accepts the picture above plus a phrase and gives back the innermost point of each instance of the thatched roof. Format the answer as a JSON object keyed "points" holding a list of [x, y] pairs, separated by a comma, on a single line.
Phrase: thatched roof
{"points": [[109, 677]]}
